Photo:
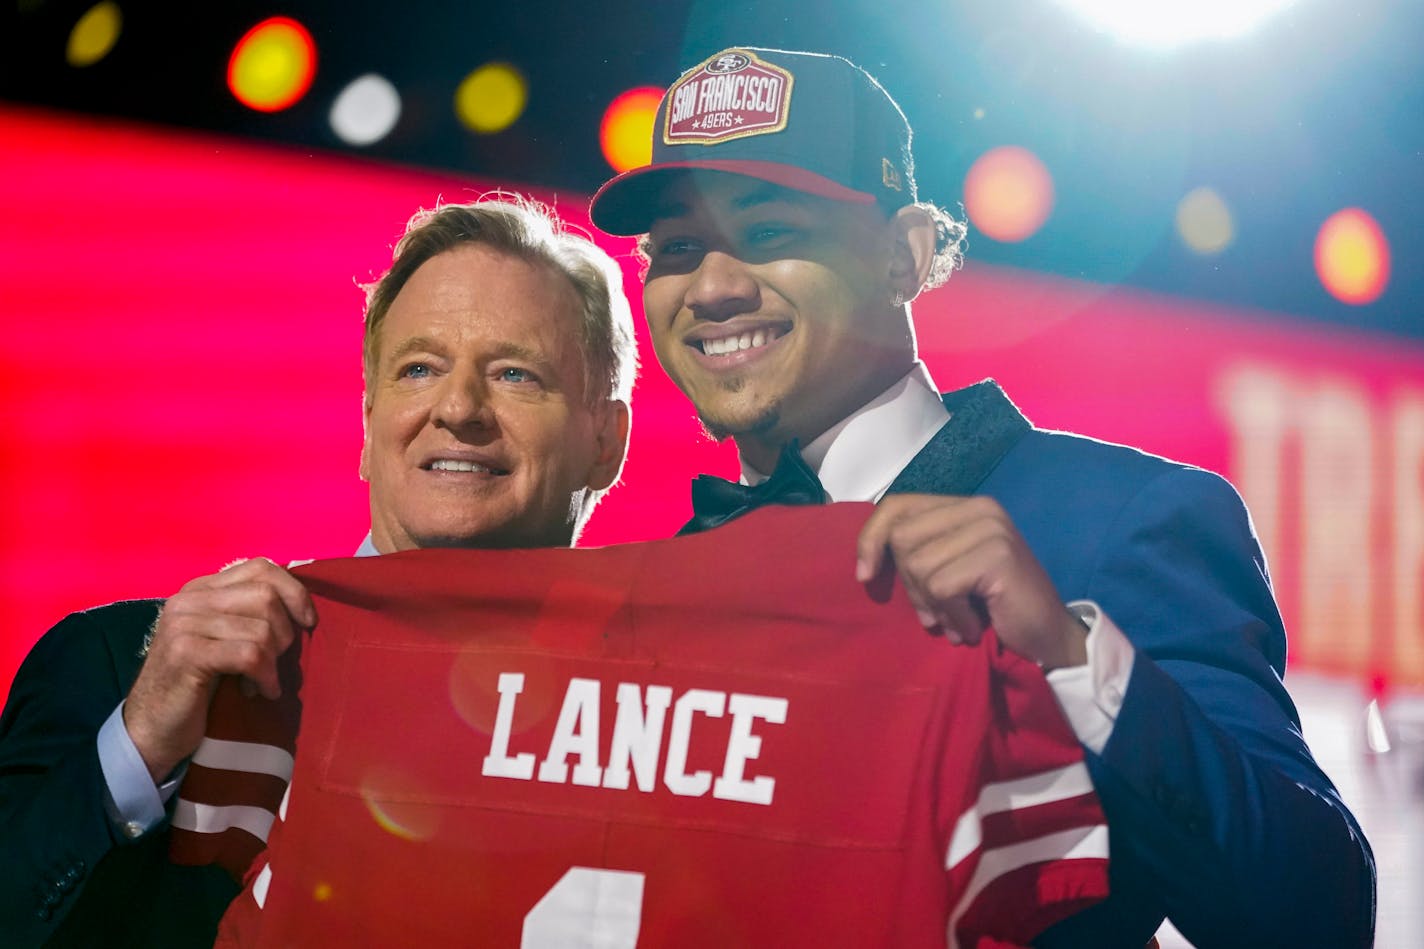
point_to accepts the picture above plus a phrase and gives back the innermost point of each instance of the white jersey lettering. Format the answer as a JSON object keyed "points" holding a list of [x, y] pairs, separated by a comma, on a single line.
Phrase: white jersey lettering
{"points": [[636, 746]]}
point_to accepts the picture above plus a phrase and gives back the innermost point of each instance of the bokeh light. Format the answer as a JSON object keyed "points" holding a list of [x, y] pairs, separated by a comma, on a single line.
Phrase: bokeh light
{"points": [[1352, 257], [1008, 193], [94, 35], [1204, 221], [491, 98], [366, 110], [393, 800], [626, 135], [1166, 23], [273, 65]]}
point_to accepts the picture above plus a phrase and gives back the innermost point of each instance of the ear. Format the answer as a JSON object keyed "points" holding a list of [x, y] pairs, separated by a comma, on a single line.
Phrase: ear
{"points": [[612, 419], [912, 256], [364, 469]]}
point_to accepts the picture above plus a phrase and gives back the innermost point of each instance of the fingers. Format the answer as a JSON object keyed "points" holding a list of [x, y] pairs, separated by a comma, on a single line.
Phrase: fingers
{"points": [[890, 515], [200, 645], [262, 572], [942, 548], [238, 621], [965, 567], [947, 579]]}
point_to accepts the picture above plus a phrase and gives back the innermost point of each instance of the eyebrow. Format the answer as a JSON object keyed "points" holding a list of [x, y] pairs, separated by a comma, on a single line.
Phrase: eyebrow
{"points": [[667, 209], [768, 194], [504, 350], [513, 350], [415, 344]]}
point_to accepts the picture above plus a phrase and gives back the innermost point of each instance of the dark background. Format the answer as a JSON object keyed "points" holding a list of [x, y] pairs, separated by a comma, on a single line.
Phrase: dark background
{"points": [[1320, 108]]}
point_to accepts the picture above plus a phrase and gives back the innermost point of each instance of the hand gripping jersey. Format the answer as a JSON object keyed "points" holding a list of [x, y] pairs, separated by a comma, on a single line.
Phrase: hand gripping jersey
{"points": [[716, 740]]}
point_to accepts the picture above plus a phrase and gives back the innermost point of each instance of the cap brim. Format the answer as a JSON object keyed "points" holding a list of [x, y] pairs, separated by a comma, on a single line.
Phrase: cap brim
{"points": [[627, 205]]}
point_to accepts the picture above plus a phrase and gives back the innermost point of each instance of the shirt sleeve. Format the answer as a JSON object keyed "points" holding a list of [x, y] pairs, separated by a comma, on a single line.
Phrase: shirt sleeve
{"points": [[1091, 694], [134, 803]]}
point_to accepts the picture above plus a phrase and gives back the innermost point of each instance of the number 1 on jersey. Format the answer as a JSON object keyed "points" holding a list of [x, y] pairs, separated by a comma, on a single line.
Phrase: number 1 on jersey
{"points": [[587, 909]]}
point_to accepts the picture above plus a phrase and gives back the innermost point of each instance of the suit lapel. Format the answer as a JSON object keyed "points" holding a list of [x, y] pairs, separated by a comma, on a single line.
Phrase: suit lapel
{"points": [[982, 427]]}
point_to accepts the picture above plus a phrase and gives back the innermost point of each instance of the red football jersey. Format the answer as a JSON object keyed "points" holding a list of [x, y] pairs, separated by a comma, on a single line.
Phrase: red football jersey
{"points": [[717, 740]]}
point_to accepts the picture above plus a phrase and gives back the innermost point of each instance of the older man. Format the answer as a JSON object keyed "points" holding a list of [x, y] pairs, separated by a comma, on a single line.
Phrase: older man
{"points": [[785, 243], [498, 361]]}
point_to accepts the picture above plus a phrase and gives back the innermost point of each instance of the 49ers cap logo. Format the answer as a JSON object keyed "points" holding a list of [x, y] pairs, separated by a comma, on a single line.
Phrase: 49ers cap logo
{"points": [[729, 96]]}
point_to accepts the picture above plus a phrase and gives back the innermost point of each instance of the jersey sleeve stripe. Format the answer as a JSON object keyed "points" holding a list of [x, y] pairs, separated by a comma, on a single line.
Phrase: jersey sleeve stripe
{"points": [[244, 756], [208, 819], [1078, 843], [1044, 787]]}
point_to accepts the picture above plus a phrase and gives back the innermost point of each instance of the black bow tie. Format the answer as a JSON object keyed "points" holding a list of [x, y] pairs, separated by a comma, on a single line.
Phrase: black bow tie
{"points": [[716, 500]]}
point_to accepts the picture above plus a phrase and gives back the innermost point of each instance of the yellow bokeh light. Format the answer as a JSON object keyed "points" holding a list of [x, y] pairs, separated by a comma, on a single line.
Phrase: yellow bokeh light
{"points": [[94, 35], [626, 134], [1008, 193], [321, 892], [1352, 256], [273, 65], [1204, 221], [491, 98]]}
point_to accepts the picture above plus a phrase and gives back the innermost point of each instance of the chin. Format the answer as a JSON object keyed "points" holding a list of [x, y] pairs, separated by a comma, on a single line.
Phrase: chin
{"points": [[730, 425], [503, 536], [464, 535]]}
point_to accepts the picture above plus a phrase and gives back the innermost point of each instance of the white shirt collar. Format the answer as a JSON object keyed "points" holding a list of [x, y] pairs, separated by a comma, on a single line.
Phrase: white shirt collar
{"points": [[858, 458], [367, 548]]}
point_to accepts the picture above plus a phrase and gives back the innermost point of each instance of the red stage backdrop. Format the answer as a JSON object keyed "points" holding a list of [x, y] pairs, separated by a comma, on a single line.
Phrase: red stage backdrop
{"points": [[180, 386]]}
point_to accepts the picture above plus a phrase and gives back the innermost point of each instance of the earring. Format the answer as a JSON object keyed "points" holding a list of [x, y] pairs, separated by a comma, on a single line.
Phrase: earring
{"points": [[899, 299]]}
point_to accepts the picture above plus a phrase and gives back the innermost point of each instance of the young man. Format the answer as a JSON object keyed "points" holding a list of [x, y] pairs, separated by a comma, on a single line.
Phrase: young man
{"points": [[499, 358], [784, 244]]}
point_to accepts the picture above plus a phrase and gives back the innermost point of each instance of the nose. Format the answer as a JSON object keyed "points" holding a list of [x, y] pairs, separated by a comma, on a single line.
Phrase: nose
{"points": [[463, 403], [722, 287]]}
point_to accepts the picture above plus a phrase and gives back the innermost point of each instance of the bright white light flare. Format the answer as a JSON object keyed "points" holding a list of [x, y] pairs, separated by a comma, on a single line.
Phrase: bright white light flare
{"points": [[1163, 24]]}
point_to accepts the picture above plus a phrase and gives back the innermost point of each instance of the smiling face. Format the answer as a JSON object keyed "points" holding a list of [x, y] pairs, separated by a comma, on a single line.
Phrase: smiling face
{"points": [[478, 433], [771, 309]]}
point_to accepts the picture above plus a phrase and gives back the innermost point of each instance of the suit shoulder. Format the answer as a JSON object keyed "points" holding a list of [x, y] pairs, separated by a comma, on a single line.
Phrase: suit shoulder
{"points": [[121, 613], [118, 622], [1096, 457], [1084, 484], [117, 630]]}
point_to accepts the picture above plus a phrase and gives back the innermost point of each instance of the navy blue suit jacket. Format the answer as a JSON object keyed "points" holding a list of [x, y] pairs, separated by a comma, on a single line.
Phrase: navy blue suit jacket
{"points": [[1218, 815], [67, 876]]}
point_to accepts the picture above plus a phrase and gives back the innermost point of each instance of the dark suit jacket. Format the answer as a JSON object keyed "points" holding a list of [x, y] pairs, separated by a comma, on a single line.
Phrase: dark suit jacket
{"points": [[67, 877], [1218, 815]]}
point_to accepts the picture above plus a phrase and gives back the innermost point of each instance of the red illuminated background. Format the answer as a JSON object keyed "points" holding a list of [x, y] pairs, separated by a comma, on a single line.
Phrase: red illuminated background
{"points": [[181, 386]]}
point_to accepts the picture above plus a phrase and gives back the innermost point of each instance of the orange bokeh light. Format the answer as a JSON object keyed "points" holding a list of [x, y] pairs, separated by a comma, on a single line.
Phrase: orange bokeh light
{"points": [[273, 65], [626, 135], [1352, 256], [1008, 193]]}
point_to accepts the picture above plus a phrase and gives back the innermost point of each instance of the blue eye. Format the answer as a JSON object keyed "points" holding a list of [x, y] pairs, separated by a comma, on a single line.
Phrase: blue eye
{"points": [[515, 374], [417, 370]]}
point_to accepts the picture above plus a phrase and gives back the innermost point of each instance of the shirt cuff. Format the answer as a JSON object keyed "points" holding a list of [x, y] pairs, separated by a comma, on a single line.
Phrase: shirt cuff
{"points": [[1091, 694], [134, 803]]}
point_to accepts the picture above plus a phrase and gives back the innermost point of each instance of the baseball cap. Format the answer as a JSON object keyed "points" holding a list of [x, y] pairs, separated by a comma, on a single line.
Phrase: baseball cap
{"points": [[807, 121]]}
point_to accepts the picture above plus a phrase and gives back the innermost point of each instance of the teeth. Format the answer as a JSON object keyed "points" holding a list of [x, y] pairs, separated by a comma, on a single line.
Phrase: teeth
{"points": [[446, 464], [731, 344]]}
